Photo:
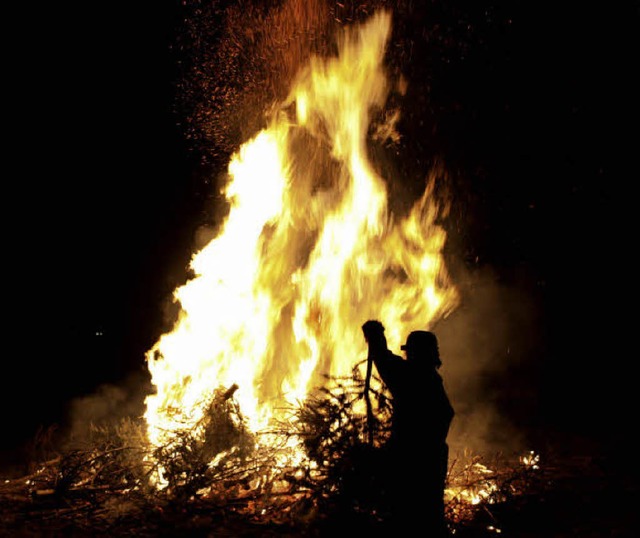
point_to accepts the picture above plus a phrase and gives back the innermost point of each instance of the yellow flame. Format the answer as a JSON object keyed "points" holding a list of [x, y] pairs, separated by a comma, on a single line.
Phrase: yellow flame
{"points": [[307, 253]]}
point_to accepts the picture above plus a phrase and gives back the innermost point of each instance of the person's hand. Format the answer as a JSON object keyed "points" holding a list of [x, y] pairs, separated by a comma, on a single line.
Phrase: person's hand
{"points": [[372, 330]]}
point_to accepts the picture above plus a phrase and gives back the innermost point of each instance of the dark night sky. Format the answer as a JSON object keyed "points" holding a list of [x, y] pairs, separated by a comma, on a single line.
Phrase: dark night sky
{"points": [[538, 118]]}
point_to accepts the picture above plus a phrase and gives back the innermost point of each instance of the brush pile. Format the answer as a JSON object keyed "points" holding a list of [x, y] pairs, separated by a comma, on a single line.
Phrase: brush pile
{"points": [[221, 479]]}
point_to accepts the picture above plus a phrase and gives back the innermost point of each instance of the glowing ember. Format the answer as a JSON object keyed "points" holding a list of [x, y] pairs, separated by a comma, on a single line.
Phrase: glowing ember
{"points": [[472, 484], [307, 253], [531, 460]]}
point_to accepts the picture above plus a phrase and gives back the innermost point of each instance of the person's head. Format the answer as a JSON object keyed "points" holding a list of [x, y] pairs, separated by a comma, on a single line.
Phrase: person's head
{"points": [[423, 346]]}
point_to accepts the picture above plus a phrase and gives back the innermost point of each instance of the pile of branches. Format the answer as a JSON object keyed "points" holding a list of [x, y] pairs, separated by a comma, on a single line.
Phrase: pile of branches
{"points": [[219, 473]]}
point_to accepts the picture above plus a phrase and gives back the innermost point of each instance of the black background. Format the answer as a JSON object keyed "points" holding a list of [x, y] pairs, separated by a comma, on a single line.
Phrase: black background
{"points": [[532, 106]]}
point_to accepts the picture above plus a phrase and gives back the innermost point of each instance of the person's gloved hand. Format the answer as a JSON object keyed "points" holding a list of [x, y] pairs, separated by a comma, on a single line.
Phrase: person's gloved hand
{"points": [[372, 330]]}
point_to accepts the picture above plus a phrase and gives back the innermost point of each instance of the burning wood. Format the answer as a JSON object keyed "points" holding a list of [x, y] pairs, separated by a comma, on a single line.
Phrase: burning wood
{"points": [[227, 477]]}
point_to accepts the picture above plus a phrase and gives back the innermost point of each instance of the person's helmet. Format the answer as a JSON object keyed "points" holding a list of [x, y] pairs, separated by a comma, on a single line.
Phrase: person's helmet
{"points": [[423, 343]]}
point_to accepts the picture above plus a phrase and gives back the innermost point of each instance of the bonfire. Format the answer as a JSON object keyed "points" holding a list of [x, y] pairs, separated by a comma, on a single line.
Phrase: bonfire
{"points": [[258, 417]]}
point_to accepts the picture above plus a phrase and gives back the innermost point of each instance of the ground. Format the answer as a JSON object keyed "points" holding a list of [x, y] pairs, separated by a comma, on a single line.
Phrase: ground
{"points": [[576, 495]]}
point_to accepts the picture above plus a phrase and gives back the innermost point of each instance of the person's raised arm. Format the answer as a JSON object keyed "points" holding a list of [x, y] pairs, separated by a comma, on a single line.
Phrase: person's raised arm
{"points": [[374, 335]]}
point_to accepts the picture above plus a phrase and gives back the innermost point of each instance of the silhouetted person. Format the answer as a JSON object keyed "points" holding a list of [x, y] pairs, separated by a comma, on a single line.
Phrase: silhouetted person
{"points": [[422, 414]]}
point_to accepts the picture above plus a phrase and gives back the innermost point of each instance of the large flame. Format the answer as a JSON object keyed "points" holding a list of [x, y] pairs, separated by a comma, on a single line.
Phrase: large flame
{"points": [[307, 253]]}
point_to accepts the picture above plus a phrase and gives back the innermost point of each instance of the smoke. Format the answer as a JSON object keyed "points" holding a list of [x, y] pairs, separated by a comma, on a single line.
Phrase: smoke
{"points": [[489, 348], [107, 406]]}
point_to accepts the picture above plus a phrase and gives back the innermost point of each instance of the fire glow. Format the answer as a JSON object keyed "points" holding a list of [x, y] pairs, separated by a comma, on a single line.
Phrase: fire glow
{"points": [[307, 252]]}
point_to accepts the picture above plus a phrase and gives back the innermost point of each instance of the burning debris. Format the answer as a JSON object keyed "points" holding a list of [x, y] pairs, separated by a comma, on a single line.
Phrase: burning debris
{"points": [[220, 475]]}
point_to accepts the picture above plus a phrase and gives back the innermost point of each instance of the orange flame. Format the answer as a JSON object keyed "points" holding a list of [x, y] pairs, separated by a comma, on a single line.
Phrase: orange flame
{"points": [[307, 253]]}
